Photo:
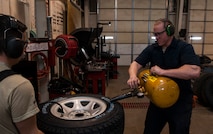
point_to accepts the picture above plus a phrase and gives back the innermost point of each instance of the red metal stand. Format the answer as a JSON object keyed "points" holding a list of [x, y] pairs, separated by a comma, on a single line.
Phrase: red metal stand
{"points": [[96, 82]]}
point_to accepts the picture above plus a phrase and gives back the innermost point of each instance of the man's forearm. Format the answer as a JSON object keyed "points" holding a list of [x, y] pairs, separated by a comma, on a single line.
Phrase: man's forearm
{"points": [[184, 72], [133, 69]]}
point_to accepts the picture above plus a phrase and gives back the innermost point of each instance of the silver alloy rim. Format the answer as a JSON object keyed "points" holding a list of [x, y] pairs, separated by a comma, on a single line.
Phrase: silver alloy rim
{"points": [[78, 108]]}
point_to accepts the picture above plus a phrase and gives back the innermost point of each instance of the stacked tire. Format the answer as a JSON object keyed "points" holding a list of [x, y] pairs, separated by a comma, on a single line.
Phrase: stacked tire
{"points": [[203, 88]]}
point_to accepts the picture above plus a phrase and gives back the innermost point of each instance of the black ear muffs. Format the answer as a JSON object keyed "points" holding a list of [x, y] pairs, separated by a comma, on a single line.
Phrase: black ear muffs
{"points": [[11, 42], [169, 27], [170, 30], [14, 47]]}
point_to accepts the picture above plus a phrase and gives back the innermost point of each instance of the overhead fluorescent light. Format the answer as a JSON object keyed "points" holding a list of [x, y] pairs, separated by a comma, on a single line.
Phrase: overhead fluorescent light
{"points": [[191, 38], [195, 38], [23, 1], [153, 38], [109, 37], [100, 23]]}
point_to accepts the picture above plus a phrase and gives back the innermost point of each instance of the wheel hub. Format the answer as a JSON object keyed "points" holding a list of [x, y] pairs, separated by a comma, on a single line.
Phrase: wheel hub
{"points": [[78, 108]]}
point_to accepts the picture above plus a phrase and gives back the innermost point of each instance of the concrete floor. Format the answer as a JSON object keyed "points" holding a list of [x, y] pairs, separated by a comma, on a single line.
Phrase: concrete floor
{"points": [[135, 109]]}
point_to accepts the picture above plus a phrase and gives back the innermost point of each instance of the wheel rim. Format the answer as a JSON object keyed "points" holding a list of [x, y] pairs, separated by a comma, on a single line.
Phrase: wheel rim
{"points": [[78, 108]]}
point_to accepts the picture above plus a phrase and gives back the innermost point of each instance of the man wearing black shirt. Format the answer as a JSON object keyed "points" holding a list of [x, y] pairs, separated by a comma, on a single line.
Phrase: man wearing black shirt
{"points": [[177, 60]]}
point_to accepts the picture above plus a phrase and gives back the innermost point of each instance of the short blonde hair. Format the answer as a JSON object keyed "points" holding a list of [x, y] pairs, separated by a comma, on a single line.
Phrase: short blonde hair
{"points": [[168, 25]]}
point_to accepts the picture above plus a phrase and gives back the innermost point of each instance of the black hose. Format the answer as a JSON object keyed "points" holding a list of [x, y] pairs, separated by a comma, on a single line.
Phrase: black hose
{"points": [[126, 95]]}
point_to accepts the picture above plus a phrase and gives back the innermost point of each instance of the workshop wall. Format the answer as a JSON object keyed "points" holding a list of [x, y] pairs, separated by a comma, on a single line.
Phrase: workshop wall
{"points": [[131, 20], [13, 7], [24, 10], [200, 25], [74, 19], [132, 24]]}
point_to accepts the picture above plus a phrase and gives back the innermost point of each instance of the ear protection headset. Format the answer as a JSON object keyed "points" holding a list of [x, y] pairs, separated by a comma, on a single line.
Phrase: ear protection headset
{"points": [[13, 45], [169, 27]]}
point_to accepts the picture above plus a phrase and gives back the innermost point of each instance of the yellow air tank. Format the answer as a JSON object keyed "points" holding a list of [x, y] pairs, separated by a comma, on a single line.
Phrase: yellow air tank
{"points": [[161, 91]]}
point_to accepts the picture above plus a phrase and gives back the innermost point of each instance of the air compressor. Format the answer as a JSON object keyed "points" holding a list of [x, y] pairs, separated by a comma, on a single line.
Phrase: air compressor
{"points": [[162, 91]]}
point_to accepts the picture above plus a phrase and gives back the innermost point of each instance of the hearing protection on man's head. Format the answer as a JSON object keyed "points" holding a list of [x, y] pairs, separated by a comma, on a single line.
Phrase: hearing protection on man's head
{"points": [[169, 27], [12, 44]]}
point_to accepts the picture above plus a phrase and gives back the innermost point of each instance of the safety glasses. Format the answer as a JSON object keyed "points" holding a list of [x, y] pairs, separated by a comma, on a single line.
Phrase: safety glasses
{"points": [[158, 33]]}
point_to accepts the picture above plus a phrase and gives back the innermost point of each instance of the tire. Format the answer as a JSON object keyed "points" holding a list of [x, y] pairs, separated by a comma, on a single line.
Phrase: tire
{"points": [[208, 92], [199, 88], [81, 114], [205, 59]]}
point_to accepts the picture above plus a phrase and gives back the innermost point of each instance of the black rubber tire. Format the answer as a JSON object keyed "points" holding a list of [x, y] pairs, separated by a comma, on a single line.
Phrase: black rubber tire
{"points": [[208, 92], [111, 121], [199, 88], [205, 59]]}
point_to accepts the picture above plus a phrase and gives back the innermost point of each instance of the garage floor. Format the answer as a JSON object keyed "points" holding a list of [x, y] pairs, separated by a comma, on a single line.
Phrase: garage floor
{"points": [[135, 109]]}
